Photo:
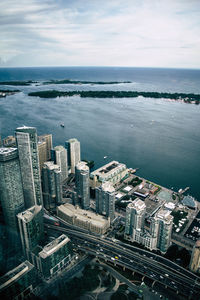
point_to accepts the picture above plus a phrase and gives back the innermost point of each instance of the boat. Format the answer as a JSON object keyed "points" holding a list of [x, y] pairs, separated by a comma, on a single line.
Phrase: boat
{"points": [[62, 125], [105, 157]]}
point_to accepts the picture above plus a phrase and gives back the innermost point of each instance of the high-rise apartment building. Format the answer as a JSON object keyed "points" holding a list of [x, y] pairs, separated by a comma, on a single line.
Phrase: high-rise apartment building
{"points": [[82, 176], [195, 258], [163, 223], [59, 154], [54, 257], [51, 185], [29, 164], [105, 200], [31, 228], [11, 190], [42, 152], [74, 153], [135, 216], [19, 283], [47, 138]]}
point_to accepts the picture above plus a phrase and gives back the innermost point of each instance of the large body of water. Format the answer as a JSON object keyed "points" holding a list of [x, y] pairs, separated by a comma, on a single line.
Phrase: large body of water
{"points": [[160, 137]]}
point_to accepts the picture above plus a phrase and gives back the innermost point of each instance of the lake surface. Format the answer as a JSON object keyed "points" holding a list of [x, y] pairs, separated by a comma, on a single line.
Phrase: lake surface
{"points": [[160, 137]]}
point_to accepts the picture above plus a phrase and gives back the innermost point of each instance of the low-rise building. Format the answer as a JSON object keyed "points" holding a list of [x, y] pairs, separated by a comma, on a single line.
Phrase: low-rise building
{"points": [[83, 219], [112, 172]]}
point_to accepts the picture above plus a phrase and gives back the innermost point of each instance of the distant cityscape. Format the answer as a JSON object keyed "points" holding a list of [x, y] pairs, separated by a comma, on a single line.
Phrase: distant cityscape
{"points": [[56, 210]]}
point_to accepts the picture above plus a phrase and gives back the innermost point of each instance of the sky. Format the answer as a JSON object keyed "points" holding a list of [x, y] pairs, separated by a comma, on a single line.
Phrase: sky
{"points": [[132, 33]]}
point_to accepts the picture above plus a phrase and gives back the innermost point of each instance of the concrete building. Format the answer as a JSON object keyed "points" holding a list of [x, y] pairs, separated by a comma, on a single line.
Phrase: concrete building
{"points": [[195, 258], [31, 228], [112, 172], [59, 156], [83, 219], [82, 175], [105, 200], [9, 141], [19, 283], [42, 152], [47, 139], [74, 153], [135, 216], [54, 257], [51, 185], [29, 164], [11, 190], [163, 222]]}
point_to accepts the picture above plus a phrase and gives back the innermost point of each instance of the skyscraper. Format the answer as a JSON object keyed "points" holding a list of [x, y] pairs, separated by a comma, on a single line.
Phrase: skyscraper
{"points": [[31, 228], [47, 138], [105, 200], [82, 183], [74, 156], [60, 158], [42, 152], [135, 215], [11, 190], [19, 283], [51, 185], [165, 223], [29, 164]]}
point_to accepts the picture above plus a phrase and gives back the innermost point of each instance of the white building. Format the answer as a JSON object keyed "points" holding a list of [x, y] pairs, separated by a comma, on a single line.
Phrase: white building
{"points": [[74, 153], [83, 219], [112, 172], [82, 175], [60, 158]]}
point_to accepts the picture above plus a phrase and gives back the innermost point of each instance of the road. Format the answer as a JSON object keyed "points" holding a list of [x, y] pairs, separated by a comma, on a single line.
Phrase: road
{"points": [[146, 263]]}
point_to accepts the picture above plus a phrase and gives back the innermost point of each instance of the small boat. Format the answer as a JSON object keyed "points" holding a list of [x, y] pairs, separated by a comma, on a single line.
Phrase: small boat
{"points": [[105, 157], [62, 125]]}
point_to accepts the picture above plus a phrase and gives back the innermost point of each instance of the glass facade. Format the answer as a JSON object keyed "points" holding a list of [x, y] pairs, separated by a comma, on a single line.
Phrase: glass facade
{"points": [[11, 191], [29, 163]]}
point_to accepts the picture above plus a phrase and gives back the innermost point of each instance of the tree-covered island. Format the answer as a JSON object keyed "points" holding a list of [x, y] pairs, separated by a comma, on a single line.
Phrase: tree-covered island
{"points": [[189, 98], [19, 83], [69, 81]]}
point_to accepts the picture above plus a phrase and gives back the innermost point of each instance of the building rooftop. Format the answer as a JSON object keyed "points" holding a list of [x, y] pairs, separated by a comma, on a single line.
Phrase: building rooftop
{"points": [[82, 166], [137, 204], [14, 275], [29, 214], [164, 215], [8, 153], [189, 201], [84, 215], [108, 187], [108, 169], [72, 140], [59, 148], [50, 165], [54, 246]]}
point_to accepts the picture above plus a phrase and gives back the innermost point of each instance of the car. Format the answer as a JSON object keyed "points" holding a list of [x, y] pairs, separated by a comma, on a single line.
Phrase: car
{"points": [[131, 261], [167, 275], [116, 257], [112, 258]]}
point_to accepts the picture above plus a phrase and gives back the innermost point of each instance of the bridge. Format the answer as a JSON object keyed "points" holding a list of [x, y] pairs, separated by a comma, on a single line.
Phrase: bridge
{"points": [[138, 260]]}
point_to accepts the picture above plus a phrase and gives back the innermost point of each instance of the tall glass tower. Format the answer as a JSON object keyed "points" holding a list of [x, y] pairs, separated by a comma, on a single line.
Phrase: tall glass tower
{"points": [[82, 183], [105, 200], [29, 164], [11, 191], [73, 150]]}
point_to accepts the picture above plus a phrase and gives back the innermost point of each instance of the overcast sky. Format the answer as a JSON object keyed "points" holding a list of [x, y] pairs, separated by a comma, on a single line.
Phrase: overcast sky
{"points": [[141, 33]]}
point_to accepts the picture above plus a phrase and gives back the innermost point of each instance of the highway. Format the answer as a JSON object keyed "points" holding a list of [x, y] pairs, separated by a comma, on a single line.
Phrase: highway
{"points": [[136, 259]]}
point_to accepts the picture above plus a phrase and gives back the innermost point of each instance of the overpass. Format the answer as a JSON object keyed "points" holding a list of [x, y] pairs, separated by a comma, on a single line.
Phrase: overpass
{"points": [[138, 260]]}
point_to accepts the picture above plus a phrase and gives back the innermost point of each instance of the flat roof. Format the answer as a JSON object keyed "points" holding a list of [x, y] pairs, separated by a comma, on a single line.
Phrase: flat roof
{"points": [[84, 215], [29, 214], [14, 274], [108, 169], [51, 166], [54, 246]]}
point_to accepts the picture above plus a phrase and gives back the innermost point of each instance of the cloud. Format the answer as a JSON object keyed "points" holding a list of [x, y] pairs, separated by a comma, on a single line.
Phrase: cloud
{"points": [[131, 33]]}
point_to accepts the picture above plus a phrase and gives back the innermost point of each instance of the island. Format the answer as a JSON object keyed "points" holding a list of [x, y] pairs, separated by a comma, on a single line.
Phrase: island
{"points": [[4, 93], [69, 81], [188, 98], [22, 83]]}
